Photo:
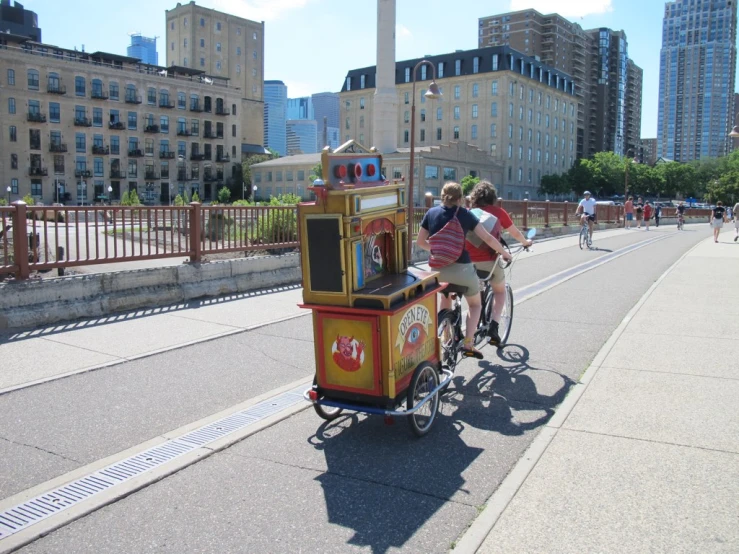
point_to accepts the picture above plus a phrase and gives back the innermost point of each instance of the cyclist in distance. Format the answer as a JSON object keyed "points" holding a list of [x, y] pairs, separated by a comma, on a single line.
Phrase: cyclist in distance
{"points": [[484, 196], [680, 214], [586, 211], [460, 272]]}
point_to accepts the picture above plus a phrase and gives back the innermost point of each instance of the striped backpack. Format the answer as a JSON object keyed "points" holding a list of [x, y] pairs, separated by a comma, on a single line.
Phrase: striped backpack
{"points": [[447, 244]]}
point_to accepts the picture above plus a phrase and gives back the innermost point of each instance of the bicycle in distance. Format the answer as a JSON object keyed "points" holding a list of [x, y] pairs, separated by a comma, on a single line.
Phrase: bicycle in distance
{"points": [[450, 332]]}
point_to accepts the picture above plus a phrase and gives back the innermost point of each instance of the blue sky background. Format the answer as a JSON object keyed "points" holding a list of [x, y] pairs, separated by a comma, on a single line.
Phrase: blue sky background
{"points": [[311, 44]]}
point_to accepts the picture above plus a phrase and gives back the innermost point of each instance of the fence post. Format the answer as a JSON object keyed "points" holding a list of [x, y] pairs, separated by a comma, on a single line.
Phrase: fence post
{"points": [[546, 214], [525, 221], [20, 242], [195, 213], [564, 219]]}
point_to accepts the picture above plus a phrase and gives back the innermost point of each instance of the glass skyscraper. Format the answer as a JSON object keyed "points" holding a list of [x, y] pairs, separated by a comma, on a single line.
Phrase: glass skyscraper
{"points": [[275, 116], [143, 48], [696, 79]]}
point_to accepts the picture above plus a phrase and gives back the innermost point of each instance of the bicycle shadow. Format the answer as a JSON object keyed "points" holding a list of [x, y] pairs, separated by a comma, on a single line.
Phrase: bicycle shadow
{"points": [[504, 389], [596, 249]]}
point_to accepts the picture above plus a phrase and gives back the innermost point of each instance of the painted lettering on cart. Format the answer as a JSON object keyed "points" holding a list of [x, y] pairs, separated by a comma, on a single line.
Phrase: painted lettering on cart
{"points": [[408, 363], [413, 329], [348, 353]]}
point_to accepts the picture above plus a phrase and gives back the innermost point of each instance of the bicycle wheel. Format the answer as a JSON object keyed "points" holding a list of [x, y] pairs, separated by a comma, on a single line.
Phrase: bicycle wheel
{"points": [[486, 316], [506, 317], [326, 412], [583, 237], [449, 342], [425, 379]]}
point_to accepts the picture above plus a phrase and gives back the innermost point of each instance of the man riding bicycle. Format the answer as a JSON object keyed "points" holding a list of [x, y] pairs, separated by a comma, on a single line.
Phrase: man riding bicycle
{"points": [[586, 209], [484, 196], [680, 214], [454, 221]]}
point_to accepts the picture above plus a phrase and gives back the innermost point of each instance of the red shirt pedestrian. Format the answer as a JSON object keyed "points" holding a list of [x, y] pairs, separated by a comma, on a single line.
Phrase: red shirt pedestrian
{"points": [[648, 212]]}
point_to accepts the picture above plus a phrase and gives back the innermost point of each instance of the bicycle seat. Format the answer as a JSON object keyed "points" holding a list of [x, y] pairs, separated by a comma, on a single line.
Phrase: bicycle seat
{"points": [[484, 275], [451, 288]]}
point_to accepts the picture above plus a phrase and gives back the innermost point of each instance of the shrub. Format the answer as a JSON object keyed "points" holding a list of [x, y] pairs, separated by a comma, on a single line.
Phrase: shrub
{"points": [[195, 197], [3, 202], [243, 203], [277, 225], [133, 198], [28, 199], [125, 199], [179, 201], [224, 195]]}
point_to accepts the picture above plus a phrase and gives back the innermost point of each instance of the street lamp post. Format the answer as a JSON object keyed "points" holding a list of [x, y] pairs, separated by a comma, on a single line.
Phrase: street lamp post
{"points": [[254, 193], [110, 195], [8, 189], [432, 93]]}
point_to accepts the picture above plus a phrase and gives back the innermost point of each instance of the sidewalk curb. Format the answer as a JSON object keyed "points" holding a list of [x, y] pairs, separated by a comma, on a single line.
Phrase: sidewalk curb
{"points": [[475, 535]]}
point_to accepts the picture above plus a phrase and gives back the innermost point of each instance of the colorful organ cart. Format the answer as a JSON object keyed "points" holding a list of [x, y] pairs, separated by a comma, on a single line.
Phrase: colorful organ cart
{"points": [[374, 317]]}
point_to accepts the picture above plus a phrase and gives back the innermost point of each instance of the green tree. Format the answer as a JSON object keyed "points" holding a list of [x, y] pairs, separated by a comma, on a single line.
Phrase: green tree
{"points": [[468, 183], [125, 199], [555, 185], [178, 200], [133, 198], [246, 178], [316, 172], [195, 197], [224, 195], [28, 199]]}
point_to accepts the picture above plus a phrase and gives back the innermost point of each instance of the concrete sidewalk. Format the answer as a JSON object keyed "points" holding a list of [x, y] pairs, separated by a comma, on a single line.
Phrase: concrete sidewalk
{"points": [[643, 455]]}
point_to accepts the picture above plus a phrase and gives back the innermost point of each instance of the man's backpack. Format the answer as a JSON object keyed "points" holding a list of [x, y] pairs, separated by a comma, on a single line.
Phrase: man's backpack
{"points": [[490, 223], [447, 244]]}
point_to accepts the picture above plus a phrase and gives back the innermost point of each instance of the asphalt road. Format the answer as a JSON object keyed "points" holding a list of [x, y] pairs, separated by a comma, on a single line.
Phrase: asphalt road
{"points": [[355, 485]]}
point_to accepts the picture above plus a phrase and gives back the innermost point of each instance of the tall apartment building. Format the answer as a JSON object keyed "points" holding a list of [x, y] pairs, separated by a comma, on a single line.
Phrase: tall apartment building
{"points": [[275, 116], [300, 108], [301, 136], [326, 109], [696, 79], [17, 20], [516, 108], [647, 151], [143, 48], [588, 57], [634, 87], [73, 124], [222, 46]]}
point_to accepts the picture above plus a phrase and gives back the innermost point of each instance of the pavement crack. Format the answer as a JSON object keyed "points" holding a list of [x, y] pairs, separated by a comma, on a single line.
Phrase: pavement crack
{"points": [[651, 441], [354, 478], [56, 454]]}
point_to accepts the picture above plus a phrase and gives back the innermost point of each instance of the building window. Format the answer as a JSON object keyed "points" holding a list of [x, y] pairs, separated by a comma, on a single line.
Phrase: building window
{"points": [[238, 69], [184, 61], [473, 132], [406, 98], [184, 43], [457, 92], [54, 112], [361, 103], [450, 174], [405, 136], [457, 67], [11, 105], [97, 117], [456, 133], [493, 130], [33, 79], [202, 22], [362, 81], [438, 133], [474, 111], [14, 186], [14, 161], [79, 86], [132, 120], [13, 132], [238, 50], [151, 96], [431, 172], [113, 91], [218, 25], [36, 188], [97, 167], [347, 124], [456, 112], [495, 62], [202, 62], [510, 151], [218, 46], [439, 114], [423, 115], [475, 90], [11, 77], [407, 74], [440, 70], [79, 142], [133, 169], [181, 101]]}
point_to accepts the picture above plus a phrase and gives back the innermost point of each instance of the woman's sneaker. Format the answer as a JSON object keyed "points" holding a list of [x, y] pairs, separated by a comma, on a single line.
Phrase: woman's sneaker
{"points": [[493, 333], [469, 351]]}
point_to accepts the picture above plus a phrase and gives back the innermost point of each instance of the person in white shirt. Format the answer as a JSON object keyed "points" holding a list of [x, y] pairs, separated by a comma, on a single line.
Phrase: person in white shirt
{"points": [[735, 214], [586, 211]]}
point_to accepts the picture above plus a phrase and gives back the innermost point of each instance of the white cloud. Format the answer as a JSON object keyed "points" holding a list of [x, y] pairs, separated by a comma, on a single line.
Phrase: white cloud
{"points": [[401, 31], [565, 8], [259, 10]]}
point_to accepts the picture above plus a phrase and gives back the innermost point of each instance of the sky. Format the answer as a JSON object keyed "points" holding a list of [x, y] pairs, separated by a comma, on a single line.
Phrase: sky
{"points": [[311, 44]]}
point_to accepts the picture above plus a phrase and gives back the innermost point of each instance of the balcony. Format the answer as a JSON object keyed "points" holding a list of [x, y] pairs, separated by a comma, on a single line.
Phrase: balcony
{"points": [[196, 108], [132, 99], [85, 173], [36, 117], [165, 174], [197, 157], [222, 111], [100, 150], [166, 155], [210, 135], [57, 147], [167, 105], [207, 156], [151, 175], [98, 95], [135, 153], [38, 171], [219, 175], [82, 122], [223, 158], [151, 129], [56, 89], [116, 173], [182, 176], [209, 176], [183, 133], [117, 126]]}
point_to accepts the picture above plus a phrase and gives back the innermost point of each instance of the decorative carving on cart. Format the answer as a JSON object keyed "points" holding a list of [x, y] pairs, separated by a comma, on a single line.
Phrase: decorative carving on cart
{"points": [[378, 244], [415, 340], [348, 353], [352, 165]]}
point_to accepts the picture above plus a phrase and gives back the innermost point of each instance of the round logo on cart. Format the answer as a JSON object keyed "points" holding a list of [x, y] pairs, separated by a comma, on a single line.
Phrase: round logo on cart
{"points": [[348, 353], [413, 329]]}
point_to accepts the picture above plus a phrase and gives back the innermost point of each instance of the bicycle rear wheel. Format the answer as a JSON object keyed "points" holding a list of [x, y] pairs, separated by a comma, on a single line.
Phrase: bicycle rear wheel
{"points": [[506, 317], [583, 238], [486, 316]]}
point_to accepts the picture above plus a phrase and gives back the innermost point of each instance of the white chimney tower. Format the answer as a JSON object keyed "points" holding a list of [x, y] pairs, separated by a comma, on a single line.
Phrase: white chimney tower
{"points": [[385, 103]]}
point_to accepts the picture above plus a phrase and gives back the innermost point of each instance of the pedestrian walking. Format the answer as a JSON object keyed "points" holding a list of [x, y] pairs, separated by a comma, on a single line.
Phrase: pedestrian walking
{"points": [[735, 213], [639, 209], [648, 212], [629, 212], [719, 216], [657, 214]]}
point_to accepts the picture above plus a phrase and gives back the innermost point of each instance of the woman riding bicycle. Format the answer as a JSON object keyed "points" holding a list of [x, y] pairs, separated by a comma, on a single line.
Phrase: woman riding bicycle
{"points": [[440, 220], [484, 196]]}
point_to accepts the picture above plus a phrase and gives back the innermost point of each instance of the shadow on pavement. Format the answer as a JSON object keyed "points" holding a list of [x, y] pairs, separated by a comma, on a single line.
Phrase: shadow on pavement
{"points": [[15, 336]]}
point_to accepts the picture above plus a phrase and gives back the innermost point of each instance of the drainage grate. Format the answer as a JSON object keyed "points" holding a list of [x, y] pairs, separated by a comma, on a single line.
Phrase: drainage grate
{"points": [[57, 500]]}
